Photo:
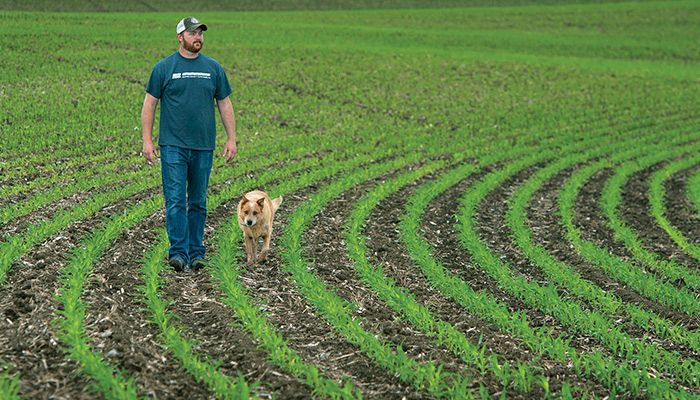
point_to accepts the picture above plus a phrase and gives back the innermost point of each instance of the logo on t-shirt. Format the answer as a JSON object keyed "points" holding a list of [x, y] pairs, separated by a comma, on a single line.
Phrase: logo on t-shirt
{"points": [[203, 75]]}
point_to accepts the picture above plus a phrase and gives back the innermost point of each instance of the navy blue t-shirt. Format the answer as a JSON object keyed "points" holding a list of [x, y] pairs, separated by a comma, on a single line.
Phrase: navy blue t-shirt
{"points": [[187, 89]]}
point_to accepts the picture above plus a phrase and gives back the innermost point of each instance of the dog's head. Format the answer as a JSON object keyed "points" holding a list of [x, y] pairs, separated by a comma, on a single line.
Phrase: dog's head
{"points": [[250, 211]]}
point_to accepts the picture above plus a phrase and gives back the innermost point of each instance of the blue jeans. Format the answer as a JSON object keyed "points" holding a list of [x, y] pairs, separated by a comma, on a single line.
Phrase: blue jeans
{"points": [[185, 181]]}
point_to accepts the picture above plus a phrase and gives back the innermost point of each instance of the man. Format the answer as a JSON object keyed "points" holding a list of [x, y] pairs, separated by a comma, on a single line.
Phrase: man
{"points": [[187, 84]]}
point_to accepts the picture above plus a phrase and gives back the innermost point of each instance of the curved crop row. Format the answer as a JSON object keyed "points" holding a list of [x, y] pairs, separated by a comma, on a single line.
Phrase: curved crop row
{"points": [[657, 193], [601, 257], [549, 301], [611, 199], [563, 276], [402, 301]]}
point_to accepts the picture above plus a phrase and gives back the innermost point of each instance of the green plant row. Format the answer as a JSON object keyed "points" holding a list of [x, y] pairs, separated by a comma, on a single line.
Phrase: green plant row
{"points": [[202, 369], [693, 190], [548, 300], [404, 302], [635, 278], [45, 166], [657, 194], [611, 199], [561, 274], [618, 377], [112, 384]]}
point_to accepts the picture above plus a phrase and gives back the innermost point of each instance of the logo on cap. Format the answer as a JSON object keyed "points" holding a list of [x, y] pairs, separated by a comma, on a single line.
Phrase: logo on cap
{"points": [[189, 24]]}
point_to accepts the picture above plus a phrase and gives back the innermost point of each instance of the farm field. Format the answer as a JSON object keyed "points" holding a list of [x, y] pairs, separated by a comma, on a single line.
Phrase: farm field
{"points": [[479, 202]]}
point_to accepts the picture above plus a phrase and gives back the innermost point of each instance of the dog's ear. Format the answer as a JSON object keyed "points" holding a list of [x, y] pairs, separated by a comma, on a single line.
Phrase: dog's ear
{"points": [[261, 201], [244, 200]]}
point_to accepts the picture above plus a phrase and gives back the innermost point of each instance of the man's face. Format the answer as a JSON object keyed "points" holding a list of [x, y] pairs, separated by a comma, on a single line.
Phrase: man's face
{"points": [[193, 41]]}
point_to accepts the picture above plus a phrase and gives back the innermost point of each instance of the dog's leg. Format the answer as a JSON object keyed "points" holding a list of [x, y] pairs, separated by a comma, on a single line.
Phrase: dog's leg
{"points": [[266, 244], [250, 249]]}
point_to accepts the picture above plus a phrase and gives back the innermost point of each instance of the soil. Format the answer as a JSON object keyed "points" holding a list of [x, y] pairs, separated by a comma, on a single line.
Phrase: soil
{"points": [[636, 214]]}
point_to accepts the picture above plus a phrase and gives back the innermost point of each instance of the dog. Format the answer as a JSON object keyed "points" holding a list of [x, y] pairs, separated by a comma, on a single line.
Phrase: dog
{"points": [[256, 211]]}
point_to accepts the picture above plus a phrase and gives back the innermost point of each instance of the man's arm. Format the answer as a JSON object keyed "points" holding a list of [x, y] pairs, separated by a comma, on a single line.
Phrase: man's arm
{"points": [[229, 120], [147, 117]]}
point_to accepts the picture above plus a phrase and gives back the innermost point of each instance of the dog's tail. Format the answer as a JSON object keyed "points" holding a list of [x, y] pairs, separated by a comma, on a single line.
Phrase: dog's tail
{"points": [[276, 203]]}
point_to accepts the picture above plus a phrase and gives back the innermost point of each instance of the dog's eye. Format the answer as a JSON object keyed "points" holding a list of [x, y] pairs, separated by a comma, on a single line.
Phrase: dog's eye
{"points": [[255, 213]]}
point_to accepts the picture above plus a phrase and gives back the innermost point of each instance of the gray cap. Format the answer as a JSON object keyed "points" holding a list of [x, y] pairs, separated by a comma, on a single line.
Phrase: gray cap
{"points": [[189, 24]]}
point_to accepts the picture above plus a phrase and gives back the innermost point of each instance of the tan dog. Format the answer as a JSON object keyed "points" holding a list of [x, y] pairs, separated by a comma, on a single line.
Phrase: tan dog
{"points": [[255, 214]]}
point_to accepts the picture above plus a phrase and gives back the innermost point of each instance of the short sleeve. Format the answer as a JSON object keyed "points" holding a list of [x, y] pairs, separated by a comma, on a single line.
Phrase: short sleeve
{"points": [[155, 82], [223, 88]]}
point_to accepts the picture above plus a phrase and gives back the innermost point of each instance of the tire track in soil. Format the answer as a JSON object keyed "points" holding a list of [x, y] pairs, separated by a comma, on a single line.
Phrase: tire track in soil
{"points": [[450, 252], [636, 213], [27, 304], [215, 329], [388, 250], [680, 210], [548, 232], [307, 332]]}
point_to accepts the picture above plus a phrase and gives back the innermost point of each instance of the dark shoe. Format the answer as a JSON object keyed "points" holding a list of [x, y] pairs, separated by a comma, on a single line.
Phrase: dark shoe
{"points": [[177, 263], [197, 264]]}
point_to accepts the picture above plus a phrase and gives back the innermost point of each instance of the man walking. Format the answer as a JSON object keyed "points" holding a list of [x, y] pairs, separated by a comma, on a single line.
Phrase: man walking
{"points": [[187, 84]]}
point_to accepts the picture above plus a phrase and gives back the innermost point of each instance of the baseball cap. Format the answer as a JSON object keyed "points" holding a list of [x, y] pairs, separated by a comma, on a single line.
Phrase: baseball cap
{"points": [[189, 24]]}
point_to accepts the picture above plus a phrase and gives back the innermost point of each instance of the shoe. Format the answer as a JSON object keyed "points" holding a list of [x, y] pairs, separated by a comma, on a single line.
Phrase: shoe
{"points": [[177, 263], [197, 264]]}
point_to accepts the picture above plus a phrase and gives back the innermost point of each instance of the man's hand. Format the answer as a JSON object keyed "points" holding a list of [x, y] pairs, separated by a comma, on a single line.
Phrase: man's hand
{"points": [[149, 151], [230, 150]]}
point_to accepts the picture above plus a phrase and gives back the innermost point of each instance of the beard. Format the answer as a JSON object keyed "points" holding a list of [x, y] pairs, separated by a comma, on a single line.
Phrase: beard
{"points": [[194, 46]]}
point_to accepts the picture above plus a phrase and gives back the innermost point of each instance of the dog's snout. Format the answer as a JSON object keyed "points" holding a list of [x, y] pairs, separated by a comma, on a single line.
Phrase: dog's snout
{"points": [[249, 222]]}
